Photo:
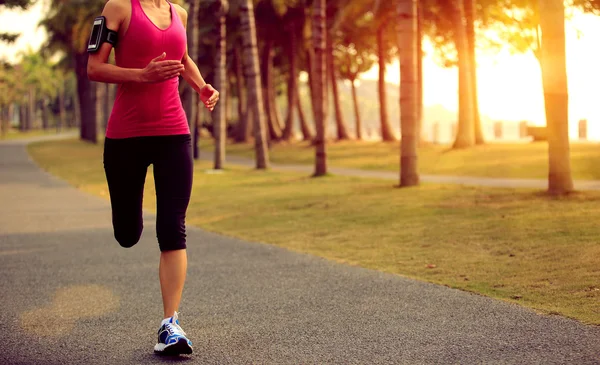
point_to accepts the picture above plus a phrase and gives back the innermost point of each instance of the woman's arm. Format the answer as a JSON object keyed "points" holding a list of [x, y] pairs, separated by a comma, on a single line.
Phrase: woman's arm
{"points": [[100, 70], [192, 75]]}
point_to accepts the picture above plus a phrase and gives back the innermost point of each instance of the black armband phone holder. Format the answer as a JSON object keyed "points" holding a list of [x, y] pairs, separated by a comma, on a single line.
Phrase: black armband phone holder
{"points": [[100, 34]]}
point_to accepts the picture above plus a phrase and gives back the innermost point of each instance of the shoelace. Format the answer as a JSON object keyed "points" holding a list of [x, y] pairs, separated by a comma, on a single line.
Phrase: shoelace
{"points": [[174, 329]]}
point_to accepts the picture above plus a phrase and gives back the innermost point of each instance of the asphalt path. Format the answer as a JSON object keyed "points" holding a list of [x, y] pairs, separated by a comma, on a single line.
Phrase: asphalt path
{"points": [[71, 295]]}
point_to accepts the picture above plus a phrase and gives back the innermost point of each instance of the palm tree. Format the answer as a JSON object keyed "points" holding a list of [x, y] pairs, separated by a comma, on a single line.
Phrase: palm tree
{"points": [[294, 19], [11, 88], [252, 75], [268, 28], [10, 4], [68, 27], [340, 123], [470, 16], [189, 98], [556, 97], [319, 34], [384, 15], [352, 62], [41, 86], [408, 52], [220, 10], [243, 129], [465, 136]]}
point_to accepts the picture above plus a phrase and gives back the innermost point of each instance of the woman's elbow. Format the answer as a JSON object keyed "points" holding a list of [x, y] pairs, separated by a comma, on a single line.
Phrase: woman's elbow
{"points": [[92, 71]]}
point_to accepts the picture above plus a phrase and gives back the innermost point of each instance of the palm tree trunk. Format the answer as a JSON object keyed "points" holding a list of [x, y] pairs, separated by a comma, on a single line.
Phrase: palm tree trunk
{"points": [[243, 129], [556, 97], [9, 117], [108, 102], [45, 117], [229, 100], [75, 120], [307, 133], [87, 100], [100, 100], [420, 107], [386, 130], [62, 120], [470, 30], [31, 111], [292, 81], [3, 119], [195, 131], [342, 131], [189, 97], [252, 74], [408, 52], [311, 76], [220, 121], [356, 111], [267, 84], [288, 131], [319, 35], [22, 117], [465, 135]]}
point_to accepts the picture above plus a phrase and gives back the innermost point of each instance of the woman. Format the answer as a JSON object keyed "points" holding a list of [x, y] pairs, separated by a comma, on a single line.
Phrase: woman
{"points": [[148, 126]]}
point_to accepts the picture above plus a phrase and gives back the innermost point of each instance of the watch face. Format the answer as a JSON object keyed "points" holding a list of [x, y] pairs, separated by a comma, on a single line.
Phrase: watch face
{"points": [[96, 33]]}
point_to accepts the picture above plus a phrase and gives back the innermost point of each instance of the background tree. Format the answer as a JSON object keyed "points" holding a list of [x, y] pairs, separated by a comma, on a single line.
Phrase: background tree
{"points": [[220, 9], [11, 90], [319, 35], [384, 20], [352, 60], [252, 75], [12, 4], [470, 16], [189, 98], [268, 25], [556, 98], [465, 136], [452, 43], [408, 53], [338, 14], [293, 18], [68, 25], [242, 132]]}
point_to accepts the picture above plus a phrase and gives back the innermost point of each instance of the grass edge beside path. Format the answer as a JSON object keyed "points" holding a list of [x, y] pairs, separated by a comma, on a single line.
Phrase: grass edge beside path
{"points": [[15, 135], [492, 160], [511, 244]]}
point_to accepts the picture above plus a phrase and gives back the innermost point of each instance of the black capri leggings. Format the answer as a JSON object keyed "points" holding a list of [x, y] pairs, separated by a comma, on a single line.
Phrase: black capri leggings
{"points": [[126, 162]]}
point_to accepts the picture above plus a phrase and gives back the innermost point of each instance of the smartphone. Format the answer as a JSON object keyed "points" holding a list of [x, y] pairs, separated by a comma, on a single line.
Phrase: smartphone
{"points": [[95, 37]]}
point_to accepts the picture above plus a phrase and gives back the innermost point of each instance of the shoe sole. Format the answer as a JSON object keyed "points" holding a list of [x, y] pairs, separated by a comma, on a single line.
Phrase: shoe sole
{"points": [[181, 347]]}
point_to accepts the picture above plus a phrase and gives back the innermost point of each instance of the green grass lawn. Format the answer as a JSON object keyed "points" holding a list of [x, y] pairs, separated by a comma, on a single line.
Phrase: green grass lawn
{"points": [[13, 134], [516, 245], [493, 160]]}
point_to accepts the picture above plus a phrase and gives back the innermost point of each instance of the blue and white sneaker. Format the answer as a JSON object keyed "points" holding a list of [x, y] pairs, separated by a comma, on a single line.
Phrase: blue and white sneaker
{"points": [[172, 340]]}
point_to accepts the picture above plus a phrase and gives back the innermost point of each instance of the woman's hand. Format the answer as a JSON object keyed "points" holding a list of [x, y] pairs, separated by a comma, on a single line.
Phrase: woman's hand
{"points": [[158, 70], [209, 96]]}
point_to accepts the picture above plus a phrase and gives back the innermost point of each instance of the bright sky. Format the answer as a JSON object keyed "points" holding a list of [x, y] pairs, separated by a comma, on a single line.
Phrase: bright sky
{"points": [[510, 86]]}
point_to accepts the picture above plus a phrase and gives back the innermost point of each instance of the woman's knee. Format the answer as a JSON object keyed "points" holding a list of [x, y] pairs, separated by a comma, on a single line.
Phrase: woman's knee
{"points": [[172, 244], [128, 237], [171, 235]]}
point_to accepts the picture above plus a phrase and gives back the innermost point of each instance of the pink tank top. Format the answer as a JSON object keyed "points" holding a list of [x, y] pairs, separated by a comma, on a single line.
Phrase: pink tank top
{"points": [[148, 109]]}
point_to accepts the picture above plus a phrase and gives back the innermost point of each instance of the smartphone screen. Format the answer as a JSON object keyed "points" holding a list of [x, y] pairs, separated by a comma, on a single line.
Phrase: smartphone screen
{"points": [[95, 37]]}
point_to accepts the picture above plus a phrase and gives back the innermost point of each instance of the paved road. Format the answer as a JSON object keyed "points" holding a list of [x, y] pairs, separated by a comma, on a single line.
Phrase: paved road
{"points": [[71, 295]]}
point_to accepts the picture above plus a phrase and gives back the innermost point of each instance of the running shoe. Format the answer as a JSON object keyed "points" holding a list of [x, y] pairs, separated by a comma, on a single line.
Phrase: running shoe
{"points": [[172, 339]]}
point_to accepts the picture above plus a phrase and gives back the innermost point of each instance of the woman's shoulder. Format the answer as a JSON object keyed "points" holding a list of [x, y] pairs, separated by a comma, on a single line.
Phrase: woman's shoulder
{"points": [[120, 6], [116, 11], [180, 10]]}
